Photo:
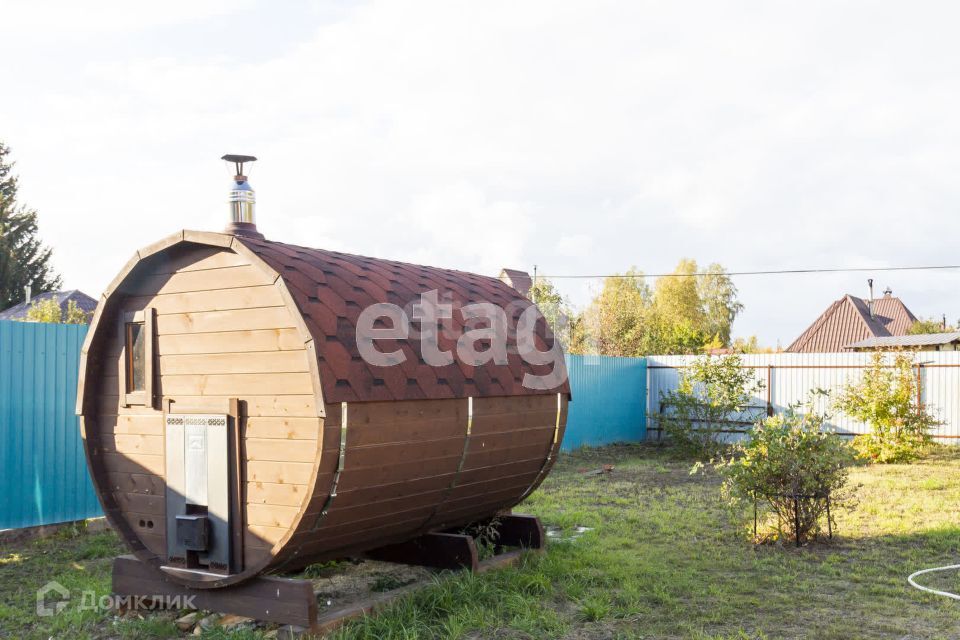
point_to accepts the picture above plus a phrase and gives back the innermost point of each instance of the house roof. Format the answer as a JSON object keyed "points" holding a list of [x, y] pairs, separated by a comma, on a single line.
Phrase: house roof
{"points": [[519, 280], [331, 290], [63, 298], [848, 320], [919, 340]]}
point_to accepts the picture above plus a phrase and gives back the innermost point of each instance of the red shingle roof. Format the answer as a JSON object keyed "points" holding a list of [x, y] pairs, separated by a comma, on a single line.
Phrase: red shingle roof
{"points": [[331, 290], [848, 320]]}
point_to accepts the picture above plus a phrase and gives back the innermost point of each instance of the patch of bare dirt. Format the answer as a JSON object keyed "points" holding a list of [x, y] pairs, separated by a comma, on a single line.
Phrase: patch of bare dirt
{"points": [[350, 582]]}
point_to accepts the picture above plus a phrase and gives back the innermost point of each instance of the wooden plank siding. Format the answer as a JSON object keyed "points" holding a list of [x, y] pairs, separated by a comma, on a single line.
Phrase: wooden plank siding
{"points": [[266, 295], [405, 468], [223, 363], [226, 341], [223, 331], [220, 321], [206, 280]]}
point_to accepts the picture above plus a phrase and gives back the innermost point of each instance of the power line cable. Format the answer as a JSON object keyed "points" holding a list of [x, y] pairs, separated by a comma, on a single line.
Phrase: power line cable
{"points": [[753, 273]]}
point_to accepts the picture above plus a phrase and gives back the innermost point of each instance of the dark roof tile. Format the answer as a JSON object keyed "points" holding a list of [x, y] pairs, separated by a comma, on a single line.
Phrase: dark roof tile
{"points": [[331, 289]]}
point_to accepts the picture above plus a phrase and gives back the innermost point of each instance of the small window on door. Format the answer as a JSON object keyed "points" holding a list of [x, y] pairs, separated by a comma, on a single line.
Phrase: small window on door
{"points": [[136, 384], [135, 350]]}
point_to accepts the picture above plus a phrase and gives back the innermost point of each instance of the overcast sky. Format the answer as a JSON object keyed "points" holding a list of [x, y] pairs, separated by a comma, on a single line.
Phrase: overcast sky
{"points": [[581, 137]]}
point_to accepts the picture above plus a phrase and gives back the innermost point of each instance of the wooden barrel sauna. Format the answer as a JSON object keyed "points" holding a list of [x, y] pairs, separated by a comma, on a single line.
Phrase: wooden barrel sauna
{"points": [[232, 428]]}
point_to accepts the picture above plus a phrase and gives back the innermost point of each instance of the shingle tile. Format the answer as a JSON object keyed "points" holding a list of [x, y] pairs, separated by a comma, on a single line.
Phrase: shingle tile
{"points": [[332, 289]]}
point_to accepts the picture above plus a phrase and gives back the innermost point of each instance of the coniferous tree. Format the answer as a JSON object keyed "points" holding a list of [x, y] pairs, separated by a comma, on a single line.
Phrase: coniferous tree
{"points": [[23, 258]]}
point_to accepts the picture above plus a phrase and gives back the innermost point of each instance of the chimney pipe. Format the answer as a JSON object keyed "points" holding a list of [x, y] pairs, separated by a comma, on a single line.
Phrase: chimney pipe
{"points": [[27, 291], [242, 200], [870, 303]]}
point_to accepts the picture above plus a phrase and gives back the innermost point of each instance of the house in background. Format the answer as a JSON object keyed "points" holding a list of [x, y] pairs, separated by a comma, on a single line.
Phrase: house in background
{"points": [[851, 320], [19, 312], [519, 280], [949, 341]]}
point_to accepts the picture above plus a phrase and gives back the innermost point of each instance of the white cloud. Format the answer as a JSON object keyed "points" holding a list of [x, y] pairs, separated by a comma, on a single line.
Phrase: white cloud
{"points": [[576, 246], [581, 137], [36, 21], [457, 224]]}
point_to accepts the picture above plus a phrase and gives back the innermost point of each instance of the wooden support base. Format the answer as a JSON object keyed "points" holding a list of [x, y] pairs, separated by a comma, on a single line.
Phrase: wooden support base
{"points": [[291, 601], [282, 600], [451, 550], [518, 530], [435, 550]]}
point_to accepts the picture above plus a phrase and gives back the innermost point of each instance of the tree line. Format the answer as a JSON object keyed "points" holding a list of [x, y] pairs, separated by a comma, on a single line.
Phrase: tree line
{"points": [[689, 312]]}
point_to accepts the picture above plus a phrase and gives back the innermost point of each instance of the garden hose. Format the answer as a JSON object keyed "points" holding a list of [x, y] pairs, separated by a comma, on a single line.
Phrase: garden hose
{"points": [[928, 589]]}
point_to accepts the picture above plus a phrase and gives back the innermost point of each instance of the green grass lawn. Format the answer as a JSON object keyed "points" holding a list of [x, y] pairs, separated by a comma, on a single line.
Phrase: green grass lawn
{"points": [[664, 559]]}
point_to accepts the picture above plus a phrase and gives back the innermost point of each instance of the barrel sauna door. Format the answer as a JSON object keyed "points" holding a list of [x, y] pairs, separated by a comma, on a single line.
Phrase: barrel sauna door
{"points": [[200, 496]]}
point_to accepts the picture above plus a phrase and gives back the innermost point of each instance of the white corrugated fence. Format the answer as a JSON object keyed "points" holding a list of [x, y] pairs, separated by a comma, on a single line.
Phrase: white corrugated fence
{"points": [[789, 377]]}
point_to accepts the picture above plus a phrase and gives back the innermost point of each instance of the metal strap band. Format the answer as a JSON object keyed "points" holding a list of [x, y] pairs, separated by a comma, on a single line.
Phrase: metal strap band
{"points": [[556, 427], [340, 462], [463, 459], [466, 441], [550, 454]]}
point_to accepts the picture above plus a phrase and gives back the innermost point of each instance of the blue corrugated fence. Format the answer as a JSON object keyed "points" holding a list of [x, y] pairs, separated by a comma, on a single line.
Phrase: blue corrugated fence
{"points": [[609, 401], [43, 471]]}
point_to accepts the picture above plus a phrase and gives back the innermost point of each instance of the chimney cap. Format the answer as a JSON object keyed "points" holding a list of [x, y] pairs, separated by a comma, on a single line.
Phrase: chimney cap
{"points": [[238, 162], [232, 157]]}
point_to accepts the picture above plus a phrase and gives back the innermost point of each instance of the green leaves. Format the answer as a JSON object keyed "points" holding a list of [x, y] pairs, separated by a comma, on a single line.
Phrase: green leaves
{"points": [[49, 311], [790, 466], [566, 325], [886, 399], [684, 313], [714, 396], [929, 326]]}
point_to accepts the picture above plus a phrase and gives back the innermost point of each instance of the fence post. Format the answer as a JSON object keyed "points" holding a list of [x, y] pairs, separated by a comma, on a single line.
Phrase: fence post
{"points": [[919, 388], [769, 390], [647, 405], [796, 518]]}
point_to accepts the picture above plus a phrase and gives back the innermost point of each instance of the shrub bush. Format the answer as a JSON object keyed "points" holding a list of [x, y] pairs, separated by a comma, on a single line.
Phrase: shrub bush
{"points": [[49, 311], [714, 393], [788, 468], [886, 399]]}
